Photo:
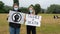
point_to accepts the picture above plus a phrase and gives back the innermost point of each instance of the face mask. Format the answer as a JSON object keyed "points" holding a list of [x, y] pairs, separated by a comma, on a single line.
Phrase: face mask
{"points": [[31, 11], [15, 8]]}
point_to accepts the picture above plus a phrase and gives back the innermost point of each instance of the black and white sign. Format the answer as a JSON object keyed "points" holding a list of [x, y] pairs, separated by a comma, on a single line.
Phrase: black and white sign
{"points": [[33, 20], [16, 17]]}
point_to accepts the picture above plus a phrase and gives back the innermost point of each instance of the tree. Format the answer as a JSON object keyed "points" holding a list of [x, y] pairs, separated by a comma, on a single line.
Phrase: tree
{"points": [[16, 1], [37, 8], [24, 10], [1, 7], [1, 4], [7, 8], [43, 10], [53, 9], [4, 8]]}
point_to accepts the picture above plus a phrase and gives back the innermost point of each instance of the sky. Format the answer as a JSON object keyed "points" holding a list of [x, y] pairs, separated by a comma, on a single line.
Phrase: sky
{"points": [[26, 3]]}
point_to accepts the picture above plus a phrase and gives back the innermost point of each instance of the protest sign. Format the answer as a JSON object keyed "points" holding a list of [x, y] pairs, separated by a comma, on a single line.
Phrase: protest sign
{"points": [[33, 20], [16, 17]]}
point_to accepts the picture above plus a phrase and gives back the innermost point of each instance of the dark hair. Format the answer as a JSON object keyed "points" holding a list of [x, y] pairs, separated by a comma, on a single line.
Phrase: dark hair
{"points": [[15, 4]]}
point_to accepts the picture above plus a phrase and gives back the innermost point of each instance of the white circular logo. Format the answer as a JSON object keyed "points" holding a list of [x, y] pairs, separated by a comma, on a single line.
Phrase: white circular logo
{"points": [[16, 17]]}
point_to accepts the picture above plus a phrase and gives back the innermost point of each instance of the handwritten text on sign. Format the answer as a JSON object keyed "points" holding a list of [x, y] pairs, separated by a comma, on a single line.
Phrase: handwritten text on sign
{"points": [[33, 20]]}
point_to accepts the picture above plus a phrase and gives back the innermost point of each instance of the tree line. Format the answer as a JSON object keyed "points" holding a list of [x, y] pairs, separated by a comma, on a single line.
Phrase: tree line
{"points": [[53, 9]]}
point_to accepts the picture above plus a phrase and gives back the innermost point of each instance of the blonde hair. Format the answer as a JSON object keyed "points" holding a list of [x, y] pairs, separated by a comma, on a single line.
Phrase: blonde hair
{"points": [[32, 9]]}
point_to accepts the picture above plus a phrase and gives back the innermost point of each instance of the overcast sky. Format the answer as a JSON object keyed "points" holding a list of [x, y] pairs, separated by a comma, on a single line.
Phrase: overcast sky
{"points": [[25, 3]]}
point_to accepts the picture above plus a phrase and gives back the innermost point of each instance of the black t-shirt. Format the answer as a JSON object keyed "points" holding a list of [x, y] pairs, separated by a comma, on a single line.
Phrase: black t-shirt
{"points": [[15, 25]]}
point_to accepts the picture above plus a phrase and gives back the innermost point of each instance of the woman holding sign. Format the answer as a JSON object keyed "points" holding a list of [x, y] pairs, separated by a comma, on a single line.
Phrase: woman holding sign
{"points": [[31, 28], [14, 27]]}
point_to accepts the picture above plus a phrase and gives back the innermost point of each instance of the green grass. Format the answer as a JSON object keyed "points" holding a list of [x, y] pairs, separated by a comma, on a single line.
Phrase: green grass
{"points": [[49, 25], [50, 28]]}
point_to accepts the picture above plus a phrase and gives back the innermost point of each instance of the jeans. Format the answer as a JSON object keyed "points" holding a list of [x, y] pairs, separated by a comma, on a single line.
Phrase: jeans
{"points": [[14, 30]]}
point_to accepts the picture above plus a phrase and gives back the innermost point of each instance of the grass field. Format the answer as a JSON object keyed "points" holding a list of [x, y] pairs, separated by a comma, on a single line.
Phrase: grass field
{"points": [[49, 25]]}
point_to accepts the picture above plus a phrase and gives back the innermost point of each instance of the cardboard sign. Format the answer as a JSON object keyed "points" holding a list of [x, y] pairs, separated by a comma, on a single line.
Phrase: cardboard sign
{"points": [[16, 17], [33, 20]]}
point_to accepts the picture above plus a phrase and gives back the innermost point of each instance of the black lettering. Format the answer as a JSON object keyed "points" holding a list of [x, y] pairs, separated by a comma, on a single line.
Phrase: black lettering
{"points": [[36, 17], [29, 22]]}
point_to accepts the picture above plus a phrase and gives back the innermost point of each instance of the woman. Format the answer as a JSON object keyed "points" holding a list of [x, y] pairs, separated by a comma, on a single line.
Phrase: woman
{"points": [[31, 28], [14, 27]]}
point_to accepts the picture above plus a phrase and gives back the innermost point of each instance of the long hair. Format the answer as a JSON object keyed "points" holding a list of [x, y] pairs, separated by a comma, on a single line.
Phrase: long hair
{"points": [[15, 4], [32, 9]]}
